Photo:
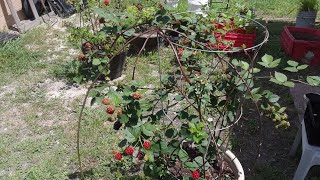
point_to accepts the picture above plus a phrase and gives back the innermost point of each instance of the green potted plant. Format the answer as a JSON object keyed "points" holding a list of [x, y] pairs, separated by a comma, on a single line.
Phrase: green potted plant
{"points": [[177, 127], [99, 43], [307, 13]]}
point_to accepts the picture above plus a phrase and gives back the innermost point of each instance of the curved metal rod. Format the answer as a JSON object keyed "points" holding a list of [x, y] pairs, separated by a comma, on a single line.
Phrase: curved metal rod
{"points": [[265, 39]]}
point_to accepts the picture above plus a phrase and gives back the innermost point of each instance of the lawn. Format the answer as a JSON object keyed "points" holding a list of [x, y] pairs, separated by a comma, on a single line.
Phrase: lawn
{"points": [[40, 108]]}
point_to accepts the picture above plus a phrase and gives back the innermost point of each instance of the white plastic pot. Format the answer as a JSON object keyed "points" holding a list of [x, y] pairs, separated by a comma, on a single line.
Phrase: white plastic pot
{"points": [[234, 164], [193, 5]]}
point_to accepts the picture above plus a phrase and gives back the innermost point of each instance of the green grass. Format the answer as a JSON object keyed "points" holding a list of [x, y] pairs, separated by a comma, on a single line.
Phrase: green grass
{"points": [[147, 65], [272, 8], [15, 59]]}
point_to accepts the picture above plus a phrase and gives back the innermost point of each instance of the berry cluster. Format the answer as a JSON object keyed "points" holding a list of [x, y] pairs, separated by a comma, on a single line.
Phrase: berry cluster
{"points": [[129, 150], [110, 109], [106, 2], [195, 174], [146, 145], [118, 156], [136, 95]]}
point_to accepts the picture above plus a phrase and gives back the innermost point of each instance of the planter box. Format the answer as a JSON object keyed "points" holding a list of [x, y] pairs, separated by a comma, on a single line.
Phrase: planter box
{"points": [[234, 39], [302, 44]]}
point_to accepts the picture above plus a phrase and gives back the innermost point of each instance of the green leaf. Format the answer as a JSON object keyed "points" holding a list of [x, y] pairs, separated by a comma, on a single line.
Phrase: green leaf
{"points": [[162, 19], [255, 70], [212, 39], [289, 84], [122, 143], [96, 62], [199, 160], [123, 118], [313, 80], [178, 97], [291, 69], [264, 64], [147, 130], [191, 165], [129, 32], [302, 67], [292, 63], [267, 58], [280, 77], [255, 90], [78, 79], [186, 53], [281, 110], [170, 133], [235, 62], [274, 63], [244, 65], [150, 156], [273, 98], [183, 156], [275, 81], [130, 137]]}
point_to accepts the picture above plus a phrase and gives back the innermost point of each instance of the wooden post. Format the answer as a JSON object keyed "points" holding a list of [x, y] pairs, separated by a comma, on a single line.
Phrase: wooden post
{"points": [[34, 10], [15, 15]]}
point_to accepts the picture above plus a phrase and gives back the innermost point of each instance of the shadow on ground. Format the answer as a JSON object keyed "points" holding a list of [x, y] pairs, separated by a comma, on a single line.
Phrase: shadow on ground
{"points": [[273, 162]]}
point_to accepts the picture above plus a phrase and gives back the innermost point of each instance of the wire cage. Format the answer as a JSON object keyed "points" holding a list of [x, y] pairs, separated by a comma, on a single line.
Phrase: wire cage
{"points": [[202, 90]]}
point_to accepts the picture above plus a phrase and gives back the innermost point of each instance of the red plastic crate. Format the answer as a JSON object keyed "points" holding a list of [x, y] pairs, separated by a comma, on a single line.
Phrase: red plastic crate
{"points": [[297, 48], [236, 40]]}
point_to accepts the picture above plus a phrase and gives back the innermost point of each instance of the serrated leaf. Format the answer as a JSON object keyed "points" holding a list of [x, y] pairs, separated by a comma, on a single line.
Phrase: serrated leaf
{"points": [[274, 63], [313, 80], [267, 58], [130, 137], [186, 53], [302, 67], [178, 97], [264, 64], [281, 110], [255, 90], [147, 131], [123, 118], [150, 156], [191, 165], [244, 65], [183, 156], [292, 63], [288, 84], [280, 77], [199, 159], [273, 98], [275, 81], [129, 32], [255, 70], [235, 62], [96, 62], [291, 69]]}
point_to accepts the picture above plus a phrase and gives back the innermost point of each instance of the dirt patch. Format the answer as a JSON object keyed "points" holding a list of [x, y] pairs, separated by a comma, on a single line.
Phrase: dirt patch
{"points": [[60, 89]]}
